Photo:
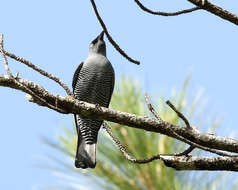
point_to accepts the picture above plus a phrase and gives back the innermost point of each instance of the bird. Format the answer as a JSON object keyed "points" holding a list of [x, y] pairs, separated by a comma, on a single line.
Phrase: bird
{"points": [[93, 82]]}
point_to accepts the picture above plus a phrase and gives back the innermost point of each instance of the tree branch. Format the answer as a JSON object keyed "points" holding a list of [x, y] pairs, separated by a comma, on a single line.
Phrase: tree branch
{"points": [[216, 10], [200, 4], [192, 144], [41, 71], [115, 45], [133, 159], [151, 108], [181, 161], [165, 13], [4, 56], [179, 114], [141, 122], [191, 136], [123, 149], [201, 163]]}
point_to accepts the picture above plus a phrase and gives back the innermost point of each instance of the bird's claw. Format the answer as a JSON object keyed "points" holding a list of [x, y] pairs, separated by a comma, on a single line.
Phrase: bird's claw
{"points": [[69, 98], [97, 106]]}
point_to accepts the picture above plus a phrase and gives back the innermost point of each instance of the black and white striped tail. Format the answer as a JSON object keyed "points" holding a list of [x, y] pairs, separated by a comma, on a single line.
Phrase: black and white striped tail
{"points": [[86, 155], [87, 139]]}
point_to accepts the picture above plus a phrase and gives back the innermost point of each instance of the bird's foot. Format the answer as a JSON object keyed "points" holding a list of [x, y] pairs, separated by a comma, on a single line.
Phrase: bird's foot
{"points": [[97, 106], [69, 98]]}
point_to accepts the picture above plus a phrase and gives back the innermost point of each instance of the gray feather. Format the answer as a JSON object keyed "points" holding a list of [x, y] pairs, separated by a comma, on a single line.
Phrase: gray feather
{"points": [[93, 82]]}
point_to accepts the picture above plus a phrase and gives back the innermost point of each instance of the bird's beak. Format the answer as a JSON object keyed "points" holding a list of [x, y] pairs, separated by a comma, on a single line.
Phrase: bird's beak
{"points": [[100, 37]]}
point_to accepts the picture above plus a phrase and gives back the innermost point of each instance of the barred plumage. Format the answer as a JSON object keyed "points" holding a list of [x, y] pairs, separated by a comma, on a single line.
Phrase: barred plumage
{"points": [[93, 82]]}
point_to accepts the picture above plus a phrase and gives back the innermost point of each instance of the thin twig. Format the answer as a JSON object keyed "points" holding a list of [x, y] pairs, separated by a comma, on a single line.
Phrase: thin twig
{"points": [[133, 159], [178, 113], [26, 89], [4, 57], [165, 13], [186, 152], [115, 45], [175, 157], [151, 108], [31, 65], [123, 150], [200, 4], [192, 144]]}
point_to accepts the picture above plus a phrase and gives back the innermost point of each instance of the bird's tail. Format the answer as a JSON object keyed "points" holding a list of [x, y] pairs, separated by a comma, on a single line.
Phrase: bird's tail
{"points": [[85, 155]]}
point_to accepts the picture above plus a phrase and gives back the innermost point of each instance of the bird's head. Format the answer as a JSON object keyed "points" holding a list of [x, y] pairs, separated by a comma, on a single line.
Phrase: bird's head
{"points": [[98, 45]]}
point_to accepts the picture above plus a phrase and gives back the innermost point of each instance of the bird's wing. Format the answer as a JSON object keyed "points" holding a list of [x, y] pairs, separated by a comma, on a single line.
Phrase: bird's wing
{"points": [[76, 74], [112, 87], [76, 124], [75, 78]]}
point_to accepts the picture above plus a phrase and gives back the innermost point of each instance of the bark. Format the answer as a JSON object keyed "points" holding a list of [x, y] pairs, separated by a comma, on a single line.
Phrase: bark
{"points": [[216, 10], [70, 105], [201, 163]]}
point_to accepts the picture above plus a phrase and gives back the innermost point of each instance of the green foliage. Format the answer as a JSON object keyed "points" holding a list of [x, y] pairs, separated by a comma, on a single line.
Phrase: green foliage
{"points": [[113, 171]]}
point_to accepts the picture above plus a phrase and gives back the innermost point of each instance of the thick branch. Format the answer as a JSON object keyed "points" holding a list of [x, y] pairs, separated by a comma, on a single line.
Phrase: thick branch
{"points": [[218, 11], [201, 163], [131, 120]]}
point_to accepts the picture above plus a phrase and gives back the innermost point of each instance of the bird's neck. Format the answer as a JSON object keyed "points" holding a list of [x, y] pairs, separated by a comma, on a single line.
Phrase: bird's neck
{"points": [[91, 52]]}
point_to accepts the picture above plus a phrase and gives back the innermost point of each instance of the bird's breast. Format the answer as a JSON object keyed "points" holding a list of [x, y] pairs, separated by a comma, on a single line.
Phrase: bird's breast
{"points": [[95, 81]]}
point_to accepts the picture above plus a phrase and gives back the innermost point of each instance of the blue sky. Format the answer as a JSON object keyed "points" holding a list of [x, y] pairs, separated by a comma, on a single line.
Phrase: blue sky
{"points": [[55, 35]]}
